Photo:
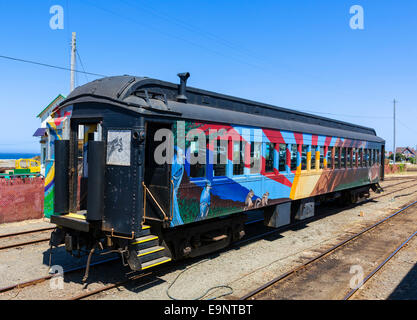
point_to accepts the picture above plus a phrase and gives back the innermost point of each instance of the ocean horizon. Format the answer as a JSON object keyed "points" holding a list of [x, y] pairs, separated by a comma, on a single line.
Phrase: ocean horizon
{"points": [[18, 155]]}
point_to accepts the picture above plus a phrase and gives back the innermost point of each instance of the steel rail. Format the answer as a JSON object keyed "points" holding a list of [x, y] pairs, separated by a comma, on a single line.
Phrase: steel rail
{"points": [[370, 275], [387, 194], [302, 222], [325, 253], [115, 285], [49, 276], [136, 277], [237, 243], [25, 232], [110, 286], [21, 244]]}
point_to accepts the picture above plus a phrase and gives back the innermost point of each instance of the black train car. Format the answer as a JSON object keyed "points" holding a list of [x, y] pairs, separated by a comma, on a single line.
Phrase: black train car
{"points": [[160, 171]]}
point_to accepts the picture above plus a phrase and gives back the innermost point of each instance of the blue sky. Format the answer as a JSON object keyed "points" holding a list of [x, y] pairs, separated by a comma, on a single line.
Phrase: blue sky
{"points": [[293, 54]]}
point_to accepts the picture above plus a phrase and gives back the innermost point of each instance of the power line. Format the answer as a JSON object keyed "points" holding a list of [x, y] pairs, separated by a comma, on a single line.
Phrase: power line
{"points": [[50, 65], [343, 115], [192, 28], [171, 35], [82, 65], [405, 126], [101, 75]]}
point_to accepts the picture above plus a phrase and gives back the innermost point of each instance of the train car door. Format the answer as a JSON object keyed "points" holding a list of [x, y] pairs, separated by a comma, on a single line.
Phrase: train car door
{"points": [[382, 162], [157, 176], [82, 133]]}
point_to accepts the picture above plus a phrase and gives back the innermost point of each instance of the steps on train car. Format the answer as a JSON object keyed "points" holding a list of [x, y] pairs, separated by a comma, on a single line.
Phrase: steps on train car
{"points": [[146, 251], [377, 188]]}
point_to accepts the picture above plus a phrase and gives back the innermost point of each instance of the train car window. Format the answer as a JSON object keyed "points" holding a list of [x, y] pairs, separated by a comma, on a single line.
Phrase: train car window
{"points": [[354, 157], [369, 157], [197, 170], [255, 154], [304, 151], [269, 157], [360, 158], [321, 157], [366, 157], [313, 157], [343, 158], [219, 167], [23, 164], [330, 155], [337, 157], [282, 157], [377, 157], [363, 157], [238, 156], [294, 151], [374, 156], [348, 158]]}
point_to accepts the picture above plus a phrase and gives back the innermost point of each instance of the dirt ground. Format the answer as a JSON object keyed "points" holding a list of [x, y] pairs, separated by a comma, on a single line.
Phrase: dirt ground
{"points": [[242, 268]]}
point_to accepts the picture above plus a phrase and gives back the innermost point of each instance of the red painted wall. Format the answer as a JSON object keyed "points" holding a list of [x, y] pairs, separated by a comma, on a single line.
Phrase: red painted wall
{"points": [[21, 199]]}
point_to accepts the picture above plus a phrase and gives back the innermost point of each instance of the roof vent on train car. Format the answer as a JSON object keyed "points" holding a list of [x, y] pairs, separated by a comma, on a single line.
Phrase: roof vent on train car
{"points": [[182, 88]]}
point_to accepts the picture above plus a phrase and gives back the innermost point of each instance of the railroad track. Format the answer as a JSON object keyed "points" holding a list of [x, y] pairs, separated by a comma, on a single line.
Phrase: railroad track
{"points": [[50, 276], [9, 236], [394, 191], [351, 293], [271, 288], [398, 178], [162, 269], [25, 232]]}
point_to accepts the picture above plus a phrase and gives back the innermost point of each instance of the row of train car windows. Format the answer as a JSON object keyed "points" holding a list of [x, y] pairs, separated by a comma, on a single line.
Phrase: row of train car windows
{"points": [[337, 158]]}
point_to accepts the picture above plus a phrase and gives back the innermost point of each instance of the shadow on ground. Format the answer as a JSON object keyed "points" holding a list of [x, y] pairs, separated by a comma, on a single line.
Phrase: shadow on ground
{"points": [[407, 289]]}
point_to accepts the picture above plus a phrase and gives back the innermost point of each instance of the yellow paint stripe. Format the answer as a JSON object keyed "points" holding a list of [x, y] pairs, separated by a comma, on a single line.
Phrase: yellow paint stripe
{"points": [[295, 182], [145, 227], [156, 250], [153, 265], [76, 216], [50, 175], [145, 240]]}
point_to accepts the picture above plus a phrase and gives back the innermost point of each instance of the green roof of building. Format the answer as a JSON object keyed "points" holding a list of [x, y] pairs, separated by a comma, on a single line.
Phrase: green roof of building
{"points": [[52, 102]]}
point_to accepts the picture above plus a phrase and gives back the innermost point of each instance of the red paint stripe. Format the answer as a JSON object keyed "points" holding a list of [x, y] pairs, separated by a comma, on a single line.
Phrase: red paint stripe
{"points": [[288, 159], [328, 141], [298, 138], [280, 179], [273, 136], [247, 155], [314, 140]]}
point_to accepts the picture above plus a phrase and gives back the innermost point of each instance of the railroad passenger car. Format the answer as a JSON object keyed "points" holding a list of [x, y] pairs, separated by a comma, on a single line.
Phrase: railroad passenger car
{"points": [[223, 157]]}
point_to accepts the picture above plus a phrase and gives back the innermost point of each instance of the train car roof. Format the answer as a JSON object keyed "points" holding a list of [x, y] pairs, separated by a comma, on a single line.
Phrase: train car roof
{"points": [[152, 95]]}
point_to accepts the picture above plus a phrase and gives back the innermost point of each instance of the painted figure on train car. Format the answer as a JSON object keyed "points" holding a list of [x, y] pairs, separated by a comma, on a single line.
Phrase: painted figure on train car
{"points": [[177, 171], [205, 202]]}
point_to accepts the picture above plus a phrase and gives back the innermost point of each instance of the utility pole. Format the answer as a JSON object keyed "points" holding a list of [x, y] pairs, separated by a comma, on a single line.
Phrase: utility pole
{"points": [[394, 130], [73, 48]]}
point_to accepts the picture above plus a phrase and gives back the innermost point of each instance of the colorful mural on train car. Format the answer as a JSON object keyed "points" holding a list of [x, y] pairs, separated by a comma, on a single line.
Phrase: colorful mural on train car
{"points": [[208, 195], [58, 128]]}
